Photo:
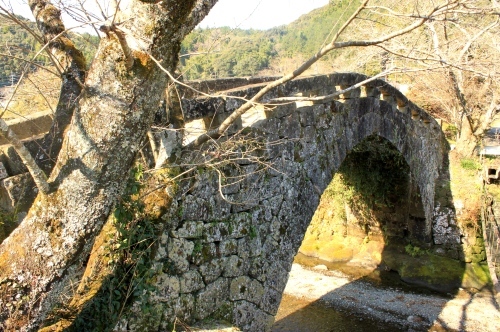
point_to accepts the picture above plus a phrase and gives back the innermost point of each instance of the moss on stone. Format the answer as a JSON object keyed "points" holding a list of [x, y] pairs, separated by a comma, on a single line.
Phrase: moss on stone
{"points": [[436, 272]]}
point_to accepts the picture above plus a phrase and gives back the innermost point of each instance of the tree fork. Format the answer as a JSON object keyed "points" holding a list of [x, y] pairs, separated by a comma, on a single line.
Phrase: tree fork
{"points": [[48, 251], [72, 66]]}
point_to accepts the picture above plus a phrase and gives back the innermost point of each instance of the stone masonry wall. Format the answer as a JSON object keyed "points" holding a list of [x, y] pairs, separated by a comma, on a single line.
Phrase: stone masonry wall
{"points": [[229, 244]]}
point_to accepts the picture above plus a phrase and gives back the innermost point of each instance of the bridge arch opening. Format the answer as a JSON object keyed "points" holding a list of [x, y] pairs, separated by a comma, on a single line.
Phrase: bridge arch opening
{"points": [[373, 201]]}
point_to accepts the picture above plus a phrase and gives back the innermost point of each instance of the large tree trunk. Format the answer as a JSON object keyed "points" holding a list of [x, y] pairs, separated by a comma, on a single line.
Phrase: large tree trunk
{"points": [[48, 251], [467, 141], [70, 62]]}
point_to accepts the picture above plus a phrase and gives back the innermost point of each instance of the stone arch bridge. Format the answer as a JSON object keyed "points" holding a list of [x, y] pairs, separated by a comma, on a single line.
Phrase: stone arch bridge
{"points": [[232, 231]]}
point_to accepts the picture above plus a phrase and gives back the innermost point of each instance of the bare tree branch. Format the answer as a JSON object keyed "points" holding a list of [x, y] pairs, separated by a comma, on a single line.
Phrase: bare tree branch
{"points": [[38, 176], [73, 67], [216, 133]]}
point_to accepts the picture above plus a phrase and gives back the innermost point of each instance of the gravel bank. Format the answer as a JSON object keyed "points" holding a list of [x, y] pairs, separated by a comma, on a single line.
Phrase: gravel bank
{"points": [[466, 311]]}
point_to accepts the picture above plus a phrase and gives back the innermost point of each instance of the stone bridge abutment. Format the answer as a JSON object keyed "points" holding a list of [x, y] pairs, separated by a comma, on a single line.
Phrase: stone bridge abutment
{"points": [[236, 222], [234, 228]]}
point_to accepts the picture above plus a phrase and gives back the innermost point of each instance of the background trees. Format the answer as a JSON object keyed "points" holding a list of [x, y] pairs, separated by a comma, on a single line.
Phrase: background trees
{"points": [[449, 65]]}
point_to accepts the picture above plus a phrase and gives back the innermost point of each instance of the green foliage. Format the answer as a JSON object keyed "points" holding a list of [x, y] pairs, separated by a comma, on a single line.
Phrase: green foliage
{"points": [[131, 254], [374, 174], [222, 52], [198, 246], [376, 170], [8, 222], [450, 132], [306, 35], [414, 251], [18, 44], [469, 164], [253, 232], [230, 53]]}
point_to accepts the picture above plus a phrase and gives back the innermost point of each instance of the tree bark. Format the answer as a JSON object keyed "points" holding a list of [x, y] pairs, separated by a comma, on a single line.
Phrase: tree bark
{"points": [[48, 251], [71, 64]]}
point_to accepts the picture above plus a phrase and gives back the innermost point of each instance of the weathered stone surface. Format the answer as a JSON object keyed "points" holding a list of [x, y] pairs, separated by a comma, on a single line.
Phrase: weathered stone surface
{"points": [[209, 299], [250, 247], [217, 231], [250, 318], [204, 253], [191, 281], [179, 250], [243, 252], [245, 288], [228, 247], [190, 230], [235, 266], [212, 269], [3, 171], [17, 192], [194, 208], [167, 287]]}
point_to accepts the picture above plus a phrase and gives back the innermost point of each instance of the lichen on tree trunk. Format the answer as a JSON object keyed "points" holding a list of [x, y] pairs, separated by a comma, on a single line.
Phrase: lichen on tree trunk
{"points": [[48, 251]]}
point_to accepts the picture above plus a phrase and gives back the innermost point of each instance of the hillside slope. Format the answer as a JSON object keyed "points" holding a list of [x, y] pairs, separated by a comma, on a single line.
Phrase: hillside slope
{"points": [[225, 52], [18, 46]]}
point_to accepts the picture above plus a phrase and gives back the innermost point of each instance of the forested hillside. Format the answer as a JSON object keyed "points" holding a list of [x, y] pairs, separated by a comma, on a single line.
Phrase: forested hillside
{"points": [[205, 53], [18, 47], [222, 52], [449, 66]]}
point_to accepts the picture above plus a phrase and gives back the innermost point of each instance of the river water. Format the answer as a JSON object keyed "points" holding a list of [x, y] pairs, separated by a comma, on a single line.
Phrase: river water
{"points": [[297, 315]]}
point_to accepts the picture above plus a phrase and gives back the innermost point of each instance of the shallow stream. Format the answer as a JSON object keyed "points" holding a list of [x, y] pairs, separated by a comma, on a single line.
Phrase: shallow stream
{"points": [[296, 314]]}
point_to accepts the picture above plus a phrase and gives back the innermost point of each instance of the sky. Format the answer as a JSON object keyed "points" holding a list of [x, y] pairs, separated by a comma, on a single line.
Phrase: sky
{"points": [[258, 14], [245, 14]]}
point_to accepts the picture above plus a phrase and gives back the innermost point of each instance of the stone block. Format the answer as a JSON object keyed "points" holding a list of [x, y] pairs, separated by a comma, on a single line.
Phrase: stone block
{"points": [[306, 116], [216, 231], [235, 266], [241, 228], [189, 230], [212, 270], [179, 250], [228, 247], [194, 208], [3, 171], [17, 192], [248, 247], [244, 288], [210, 298], [441, 238], [167, 287], [291, 127], [204, 253], [271, 300], [309, 134], [31, 125], [12, 161], [191, 281], [249, 317]]}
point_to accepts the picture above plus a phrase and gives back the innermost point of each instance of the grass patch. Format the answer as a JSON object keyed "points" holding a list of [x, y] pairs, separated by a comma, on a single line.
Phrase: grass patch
{"points": [[470, 164]]}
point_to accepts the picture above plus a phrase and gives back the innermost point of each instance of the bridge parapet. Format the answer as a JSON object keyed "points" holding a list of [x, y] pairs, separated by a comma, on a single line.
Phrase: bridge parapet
{"points": [[203, 113]]}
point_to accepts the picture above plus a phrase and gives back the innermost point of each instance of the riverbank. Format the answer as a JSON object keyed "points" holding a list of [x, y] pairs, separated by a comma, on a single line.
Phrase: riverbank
{"points": [[397, 308]]}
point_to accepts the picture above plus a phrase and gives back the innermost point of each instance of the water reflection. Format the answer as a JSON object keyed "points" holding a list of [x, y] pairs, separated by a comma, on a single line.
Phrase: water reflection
{"points": [[297, 315], [323, 300]]}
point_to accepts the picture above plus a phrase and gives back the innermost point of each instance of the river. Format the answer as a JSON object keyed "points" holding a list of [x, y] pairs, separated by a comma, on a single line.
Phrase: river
{"points": [[319, 298], [299, 315]]}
